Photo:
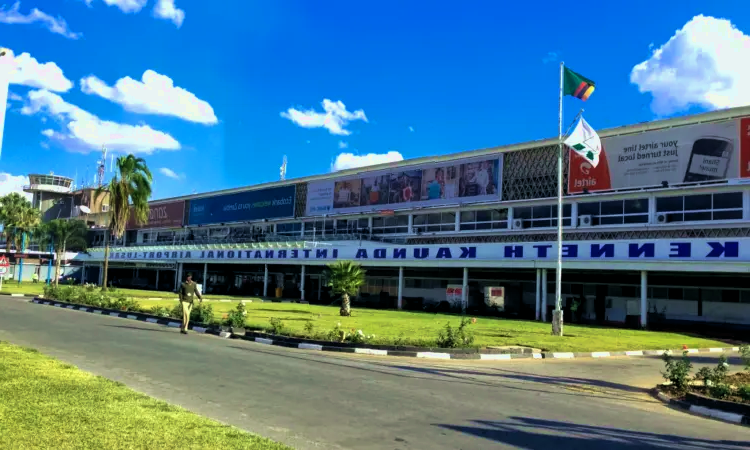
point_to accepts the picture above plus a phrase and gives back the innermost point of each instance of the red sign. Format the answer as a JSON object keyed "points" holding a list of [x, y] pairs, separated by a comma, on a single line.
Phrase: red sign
{"points": [[164, 215], [745, 147], [4, 262]]}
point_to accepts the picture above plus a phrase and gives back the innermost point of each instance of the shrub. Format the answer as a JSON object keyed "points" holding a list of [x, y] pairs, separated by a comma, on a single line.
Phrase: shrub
{"points": [[454, 338], [202, 313], [176, 311], [359, 337], [745, 355], [744, 392], [336, 334], [310, 328], [704, 374], [277, 326], [160, 311], [123, 304], [236, 317], [677, 371], [720, 391]]}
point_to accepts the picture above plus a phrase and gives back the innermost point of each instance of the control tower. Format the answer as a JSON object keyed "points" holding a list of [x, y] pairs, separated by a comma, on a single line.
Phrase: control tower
{"points": [[52, 194]]}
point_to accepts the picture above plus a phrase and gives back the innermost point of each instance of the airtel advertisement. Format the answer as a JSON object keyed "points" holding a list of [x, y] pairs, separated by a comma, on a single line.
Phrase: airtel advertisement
{"points": [[688, 154], [164, 215]]}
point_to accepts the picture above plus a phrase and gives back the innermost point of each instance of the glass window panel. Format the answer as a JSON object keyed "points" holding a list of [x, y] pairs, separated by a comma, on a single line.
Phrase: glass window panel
{"points": [[484, 216], [634, 206], [522, 213], [640, 218], [695, 216], [588, 209], [402, 221], [613, 207], [420, 219], [728, 200], [667, 204], [541, 212], [728, 215], [697, 202], [468, 216]]}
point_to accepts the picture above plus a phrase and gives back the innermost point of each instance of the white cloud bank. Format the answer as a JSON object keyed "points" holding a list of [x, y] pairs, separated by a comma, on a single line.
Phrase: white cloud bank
{"points": [[13, 183], [84, 132], [167, 172], [350, 160], [56, 25], [30, 72], [166, 9], [706, 63], [153, 94], [334, 117], [126, 6]]}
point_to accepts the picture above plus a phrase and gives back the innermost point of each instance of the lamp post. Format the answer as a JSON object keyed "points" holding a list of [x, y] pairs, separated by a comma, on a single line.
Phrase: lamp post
{"points": [[49, 266]]}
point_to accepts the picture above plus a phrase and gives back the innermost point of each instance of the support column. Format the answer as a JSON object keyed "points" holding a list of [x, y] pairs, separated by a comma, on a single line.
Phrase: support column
{"points": [[205, 278], [157, 279], [302, 285], [644, 298], [538, 297], [544, 295], [401, 287], [178, 276], [265, 281], [101, 274], [410, 227], [465, 290], [457, 221], [83, 274]]}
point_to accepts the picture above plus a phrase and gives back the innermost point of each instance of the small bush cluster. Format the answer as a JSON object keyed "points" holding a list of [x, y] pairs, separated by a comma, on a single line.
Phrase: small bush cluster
{"points": [[677, 372], [338, 334], [714, 381], [89, 295], [236, 317], [277, 326], [451, 337]]}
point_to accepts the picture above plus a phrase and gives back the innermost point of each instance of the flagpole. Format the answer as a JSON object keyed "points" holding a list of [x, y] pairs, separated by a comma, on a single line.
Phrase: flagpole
{"points": [[557, 314]]}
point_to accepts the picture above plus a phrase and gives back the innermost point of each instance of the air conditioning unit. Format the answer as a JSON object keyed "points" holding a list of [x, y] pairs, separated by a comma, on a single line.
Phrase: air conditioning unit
{"points": [[661, 218], [584, 220], [518, 224]]}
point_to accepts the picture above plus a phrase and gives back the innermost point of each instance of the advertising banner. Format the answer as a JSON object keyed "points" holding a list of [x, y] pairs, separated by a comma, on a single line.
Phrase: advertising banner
{"points": [[273, 203], [687, 154], [164, 215], [475, 180]]}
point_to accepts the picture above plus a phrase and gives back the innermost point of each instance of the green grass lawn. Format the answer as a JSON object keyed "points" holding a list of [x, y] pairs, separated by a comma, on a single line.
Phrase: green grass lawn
{"points": [[420, 328], [13, 287], [45, 404]]}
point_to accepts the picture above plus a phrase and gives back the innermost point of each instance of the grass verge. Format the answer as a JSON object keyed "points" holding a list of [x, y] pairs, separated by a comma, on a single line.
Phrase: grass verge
{"points": [[47, 404], [12, 287], [418, 328]]}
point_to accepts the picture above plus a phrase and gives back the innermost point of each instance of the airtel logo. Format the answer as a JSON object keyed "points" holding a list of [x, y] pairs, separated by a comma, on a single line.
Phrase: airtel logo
{"points": [[585, 168], [158, 213]]}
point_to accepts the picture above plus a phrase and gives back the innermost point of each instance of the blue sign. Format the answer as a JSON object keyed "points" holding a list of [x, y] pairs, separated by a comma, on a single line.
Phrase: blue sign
{"points": [[273, 203]]}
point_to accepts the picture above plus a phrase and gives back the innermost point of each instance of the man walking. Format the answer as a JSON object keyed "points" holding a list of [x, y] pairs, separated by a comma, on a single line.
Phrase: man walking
{"points": [[188, 292]]}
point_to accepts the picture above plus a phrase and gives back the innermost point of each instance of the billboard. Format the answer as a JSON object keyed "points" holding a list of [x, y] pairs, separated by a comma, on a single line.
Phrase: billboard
{"points": [[436, 184], [687, 154], [164, 215], [272, 203]]}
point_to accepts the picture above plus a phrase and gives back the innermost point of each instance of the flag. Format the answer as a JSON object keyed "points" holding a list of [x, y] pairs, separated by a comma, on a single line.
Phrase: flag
{"points": [[584, 141], [577, 85]]}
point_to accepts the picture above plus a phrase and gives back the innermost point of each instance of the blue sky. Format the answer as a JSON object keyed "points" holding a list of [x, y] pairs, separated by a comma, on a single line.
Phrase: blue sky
{"points": [[415, 78]]}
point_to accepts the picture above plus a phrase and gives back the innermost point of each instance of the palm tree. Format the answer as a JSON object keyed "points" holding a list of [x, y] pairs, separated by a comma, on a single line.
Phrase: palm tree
{"points": [[130, 185], [17, 215], [62, 235], [345, 278]]}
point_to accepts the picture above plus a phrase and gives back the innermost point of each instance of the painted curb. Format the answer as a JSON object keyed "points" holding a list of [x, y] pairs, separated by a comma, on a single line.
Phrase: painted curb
{"points": [[725, 416], [17, 295], [410, 352]]}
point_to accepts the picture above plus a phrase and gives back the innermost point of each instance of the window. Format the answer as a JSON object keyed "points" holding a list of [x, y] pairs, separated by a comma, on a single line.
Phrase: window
{"points": [[541, 216], [431, 223], [615, 212], [690, 208], [105, 208], [491, 219], [289, 229], [390, 225]]}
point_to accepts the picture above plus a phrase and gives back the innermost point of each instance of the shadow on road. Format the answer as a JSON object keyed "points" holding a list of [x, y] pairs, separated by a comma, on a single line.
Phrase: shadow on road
{"points": [[159, 330], [538, 434]]}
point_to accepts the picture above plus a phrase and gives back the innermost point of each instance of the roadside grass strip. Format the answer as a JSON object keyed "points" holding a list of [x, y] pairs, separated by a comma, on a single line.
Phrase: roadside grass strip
{"points": [[47, 404]]}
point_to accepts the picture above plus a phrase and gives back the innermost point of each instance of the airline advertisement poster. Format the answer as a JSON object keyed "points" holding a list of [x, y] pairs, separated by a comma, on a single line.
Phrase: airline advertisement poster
{"points": [[687, 154], [469, 181]]}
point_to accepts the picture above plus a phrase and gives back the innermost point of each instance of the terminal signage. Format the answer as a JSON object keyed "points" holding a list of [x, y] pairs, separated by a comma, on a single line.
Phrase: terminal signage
{"points": [[272, 203], [433, 184], [706, 250], [162, 215], [688, 154]]}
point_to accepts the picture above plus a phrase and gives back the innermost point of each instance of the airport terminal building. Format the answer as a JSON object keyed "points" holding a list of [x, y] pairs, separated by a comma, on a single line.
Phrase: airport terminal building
{"points": [[658, 231]]}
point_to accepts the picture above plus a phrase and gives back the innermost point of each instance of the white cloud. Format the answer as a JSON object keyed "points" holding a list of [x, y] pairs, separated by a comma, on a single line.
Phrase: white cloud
{"points": [[334, 118], [84, 132], [56, 25], [350, 160], [550, 57], [154, 94], [13, 183], [30, 72], [126, 6], [170, 173], [166, 9], [14, 97], [343, 145], [703, 64], [411, 128]]}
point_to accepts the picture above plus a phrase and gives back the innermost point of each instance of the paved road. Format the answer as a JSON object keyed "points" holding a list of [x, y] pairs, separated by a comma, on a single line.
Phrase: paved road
{"points": [[313, 400]]}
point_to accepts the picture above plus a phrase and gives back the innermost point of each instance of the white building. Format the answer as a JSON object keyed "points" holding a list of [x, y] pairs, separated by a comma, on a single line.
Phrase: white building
{"points": [[660, 230]]}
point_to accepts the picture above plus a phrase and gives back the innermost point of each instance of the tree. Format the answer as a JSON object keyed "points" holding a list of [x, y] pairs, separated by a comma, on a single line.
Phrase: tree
{"points": [[345, 278], [131, 185], [62, 235], [19, 218]]}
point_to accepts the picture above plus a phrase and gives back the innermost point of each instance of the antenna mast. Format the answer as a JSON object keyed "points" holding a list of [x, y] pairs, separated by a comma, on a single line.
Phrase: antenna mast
{"points": [[102, 166], [282, 169]]}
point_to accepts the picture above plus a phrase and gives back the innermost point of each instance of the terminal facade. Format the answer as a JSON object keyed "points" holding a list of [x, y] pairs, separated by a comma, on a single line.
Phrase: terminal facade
{"points": [[659, 230]]}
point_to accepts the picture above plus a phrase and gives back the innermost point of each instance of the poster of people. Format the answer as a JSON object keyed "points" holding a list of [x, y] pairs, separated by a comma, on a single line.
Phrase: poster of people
{"points": [[471, 180]]}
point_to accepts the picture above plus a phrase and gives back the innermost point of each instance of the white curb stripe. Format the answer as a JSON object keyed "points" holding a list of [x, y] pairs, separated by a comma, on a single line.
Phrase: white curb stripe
{"points": [[716, 414], [692, 350], [130, 316], [17, 295], [57, 304], [199, 329], [113, 314], [47, 303], [226, 301], [152, 320], [715, 350], [634, 353], [600, 354], [35, 301], [494, 356], [310, 346], [264, 341], [563, 355], [536, 355], [433, 355], [371, 351], [96, 311], [735, 349], [174, 324], [83, 309], [70, 307], [225, 334]]}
